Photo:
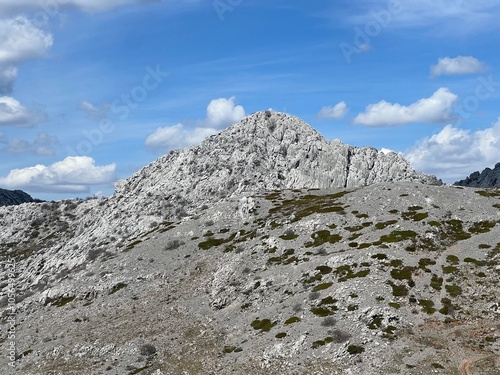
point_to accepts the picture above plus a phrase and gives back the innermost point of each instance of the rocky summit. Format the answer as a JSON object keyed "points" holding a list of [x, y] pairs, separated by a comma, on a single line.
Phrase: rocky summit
{"points": [[265, 250], [14, 197], [488, 178]]}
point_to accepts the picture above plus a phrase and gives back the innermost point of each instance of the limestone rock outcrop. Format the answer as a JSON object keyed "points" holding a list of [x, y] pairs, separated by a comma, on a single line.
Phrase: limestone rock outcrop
{"points": [[267, 151]]}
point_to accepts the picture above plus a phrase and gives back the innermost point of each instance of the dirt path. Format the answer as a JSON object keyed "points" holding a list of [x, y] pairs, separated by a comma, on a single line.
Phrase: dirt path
{"points": [[465, 366]]}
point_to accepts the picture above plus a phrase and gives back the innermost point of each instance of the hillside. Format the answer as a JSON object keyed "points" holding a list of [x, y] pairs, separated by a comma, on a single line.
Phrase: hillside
{"points": [[14, 197], [329, 259], [488, 178]]}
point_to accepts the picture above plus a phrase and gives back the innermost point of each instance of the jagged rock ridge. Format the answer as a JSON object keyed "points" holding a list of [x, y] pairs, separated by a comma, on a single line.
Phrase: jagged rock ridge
{"points": [[14, 197], [488, 178], [266, 151]]}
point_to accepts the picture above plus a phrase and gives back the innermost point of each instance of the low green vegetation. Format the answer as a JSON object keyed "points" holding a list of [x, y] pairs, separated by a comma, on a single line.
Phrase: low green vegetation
{"points": [[322, 237], [62, 301], [427, 306], [212, 241], [263, 325], [292, 320], [309, 204], [117, 287], [385, 224], [453, 290], [318, 343], [398, 236], [355, 349], [322, 286], [322, 311], [232, 349], [402, 273]]}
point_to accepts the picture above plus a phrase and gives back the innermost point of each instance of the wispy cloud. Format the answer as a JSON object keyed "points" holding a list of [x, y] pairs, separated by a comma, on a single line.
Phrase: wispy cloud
{"points": [[41, 146], [442, 16], [93, 112], [458, 66], [436, 109], [13, 113]]}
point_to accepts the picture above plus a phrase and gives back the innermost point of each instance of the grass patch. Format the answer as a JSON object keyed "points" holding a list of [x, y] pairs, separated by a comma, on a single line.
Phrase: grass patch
{"points": [[453, 290], [385, 224], [232, 349], [355, 349], [131, 245], [309, 204], [427, 306], [489, 193], [292, 320], [324, 270], [449, 269], [379, 256], [398, 290], [263, 325], [321, 237], [482, 227], [322, 286], [436, 282], [398, 236], [212, 241], [61, 301], [402, 274], [322, 311], [117, 287]]}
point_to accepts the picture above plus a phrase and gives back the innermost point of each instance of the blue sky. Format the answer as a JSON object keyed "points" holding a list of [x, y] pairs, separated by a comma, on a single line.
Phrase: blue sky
{"points": [[90, 93]]}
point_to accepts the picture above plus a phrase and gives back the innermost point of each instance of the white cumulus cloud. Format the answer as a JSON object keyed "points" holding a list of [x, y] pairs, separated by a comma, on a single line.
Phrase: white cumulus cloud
{"points": [[436, 109], [75, 174], [177, 137], [337, 112], [13, 113], [453, 153], [20, 40], [457, 66], [223, 112]]}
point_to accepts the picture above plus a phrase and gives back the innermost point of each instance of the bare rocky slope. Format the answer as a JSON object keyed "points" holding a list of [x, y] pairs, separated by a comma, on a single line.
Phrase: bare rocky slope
{"points": [[488, 178], [14, 197], [265, 250]]}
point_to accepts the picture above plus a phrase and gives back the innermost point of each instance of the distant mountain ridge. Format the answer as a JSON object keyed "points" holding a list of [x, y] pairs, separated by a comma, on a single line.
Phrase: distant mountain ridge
{"points": [[488, 178], [15, 197]]}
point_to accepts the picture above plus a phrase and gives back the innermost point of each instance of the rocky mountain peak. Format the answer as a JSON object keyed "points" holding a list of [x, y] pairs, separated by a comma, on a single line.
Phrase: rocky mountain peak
{"points": [[265, 151]]}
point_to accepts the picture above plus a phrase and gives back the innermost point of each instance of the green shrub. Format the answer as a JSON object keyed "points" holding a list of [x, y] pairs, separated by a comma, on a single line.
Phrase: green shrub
{"points": [[264, 325], [355, 349], [292, 320]]}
